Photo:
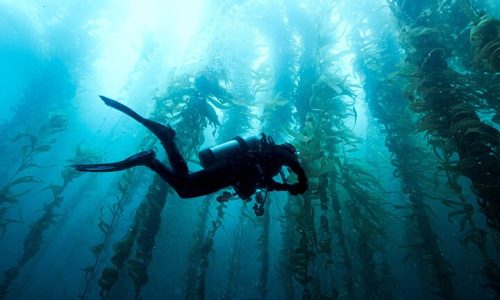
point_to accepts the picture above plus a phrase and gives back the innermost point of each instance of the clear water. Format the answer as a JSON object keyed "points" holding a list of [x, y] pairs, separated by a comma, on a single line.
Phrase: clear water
{"points": [[63, 233]]}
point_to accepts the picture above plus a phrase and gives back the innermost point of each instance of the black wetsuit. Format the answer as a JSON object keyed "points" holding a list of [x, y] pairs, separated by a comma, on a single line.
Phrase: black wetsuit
{"points": [[246, 172]]}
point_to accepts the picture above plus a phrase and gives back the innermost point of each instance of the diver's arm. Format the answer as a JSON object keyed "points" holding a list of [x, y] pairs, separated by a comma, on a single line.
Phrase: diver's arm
{"points": [[277, 186], [293, 189], [293, 163], [286, 159], [299, 171]]}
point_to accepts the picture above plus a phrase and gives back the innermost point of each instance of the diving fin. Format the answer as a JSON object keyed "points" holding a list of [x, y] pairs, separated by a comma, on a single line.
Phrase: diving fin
{"points": [[121, 107], [164, 133], [139, 159]]}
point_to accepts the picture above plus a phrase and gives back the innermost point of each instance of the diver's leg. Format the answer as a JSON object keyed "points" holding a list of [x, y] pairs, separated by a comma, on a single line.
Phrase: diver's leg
{"points": [[176, 160], [139, 159], [164, 133], [145, 158], [207, 181], [203, 182], [176, 181]]}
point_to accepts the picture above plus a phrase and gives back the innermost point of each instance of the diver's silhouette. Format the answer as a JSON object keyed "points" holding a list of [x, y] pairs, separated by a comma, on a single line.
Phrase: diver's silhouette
{"points": [[245, 164]]}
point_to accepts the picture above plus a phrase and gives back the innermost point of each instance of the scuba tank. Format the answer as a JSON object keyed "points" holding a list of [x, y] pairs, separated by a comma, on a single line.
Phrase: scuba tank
{"points": [[229, 149]]}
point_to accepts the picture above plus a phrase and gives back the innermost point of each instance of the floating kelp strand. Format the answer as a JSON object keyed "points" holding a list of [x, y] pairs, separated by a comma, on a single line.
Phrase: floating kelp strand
{"points": [[277, 79], [207, 248], [152, 206], [455, 121], [122, 251], [325, 241], [263, 247], [203, 246], [287, 235], [34, 239], [37, 145], [284, 75], [194, 256], [276, 118], [366, 210], [148, 215], [230, 291], [126, 185], [305, 259], [321, 93], [386, 105], [236, 74], [125, 190], [471, 232], [485, 40], [348, 277]]}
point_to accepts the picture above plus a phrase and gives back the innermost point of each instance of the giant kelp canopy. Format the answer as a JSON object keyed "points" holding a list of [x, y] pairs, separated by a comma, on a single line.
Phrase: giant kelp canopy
{"points": [[392, 106]]}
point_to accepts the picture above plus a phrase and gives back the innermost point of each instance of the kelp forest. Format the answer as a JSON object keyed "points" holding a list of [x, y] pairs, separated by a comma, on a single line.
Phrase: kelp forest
{"points": [[393, 107]]}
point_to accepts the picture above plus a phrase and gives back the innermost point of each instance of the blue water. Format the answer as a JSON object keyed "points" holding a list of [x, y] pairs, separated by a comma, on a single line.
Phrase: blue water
{"points": [[60, 229]]}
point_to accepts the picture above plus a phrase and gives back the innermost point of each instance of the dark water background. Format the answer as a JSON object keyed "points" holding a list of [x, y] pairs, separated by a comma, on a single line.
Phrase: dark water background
{"points": [[361, 88]]}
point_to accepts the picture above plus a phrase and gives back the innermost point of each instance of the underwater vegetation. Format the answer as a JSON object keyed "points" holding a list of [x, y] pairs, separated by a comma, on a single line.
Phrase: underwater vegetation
{"points": [[485, 40], [36, 145], [447, 104], [392, 105]]}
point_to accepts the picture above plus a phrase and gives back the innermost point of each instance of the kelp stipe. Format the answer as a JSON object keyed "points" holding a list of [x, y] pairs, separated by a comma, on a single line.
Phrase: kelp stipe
{"points": [[485, 40], [204, 243], [195, 255], [124, 247], [447, 107], [236, 103], [448, 115], [231, 286], [34, 239], [319, 115], [33, 146], [388, 107], [182, 101], [109, 217]]}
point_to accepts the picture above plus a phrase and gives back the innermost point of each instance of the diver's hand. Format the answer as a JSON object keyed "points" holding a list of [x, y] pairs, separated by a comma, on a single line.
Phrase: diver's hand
{"points": [[297, 188]]}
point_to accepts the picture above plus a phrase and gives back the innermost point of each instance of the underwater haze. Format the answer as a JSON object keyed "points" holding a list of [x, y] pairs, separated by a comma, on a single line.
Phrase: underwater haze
{"points": [[393, 106]]}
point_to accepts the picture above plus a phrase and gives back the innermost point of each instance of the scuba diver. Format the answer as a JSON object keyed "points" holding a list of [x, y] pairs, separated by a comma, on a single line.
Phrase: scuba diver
{"points": [[246, 164]]}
